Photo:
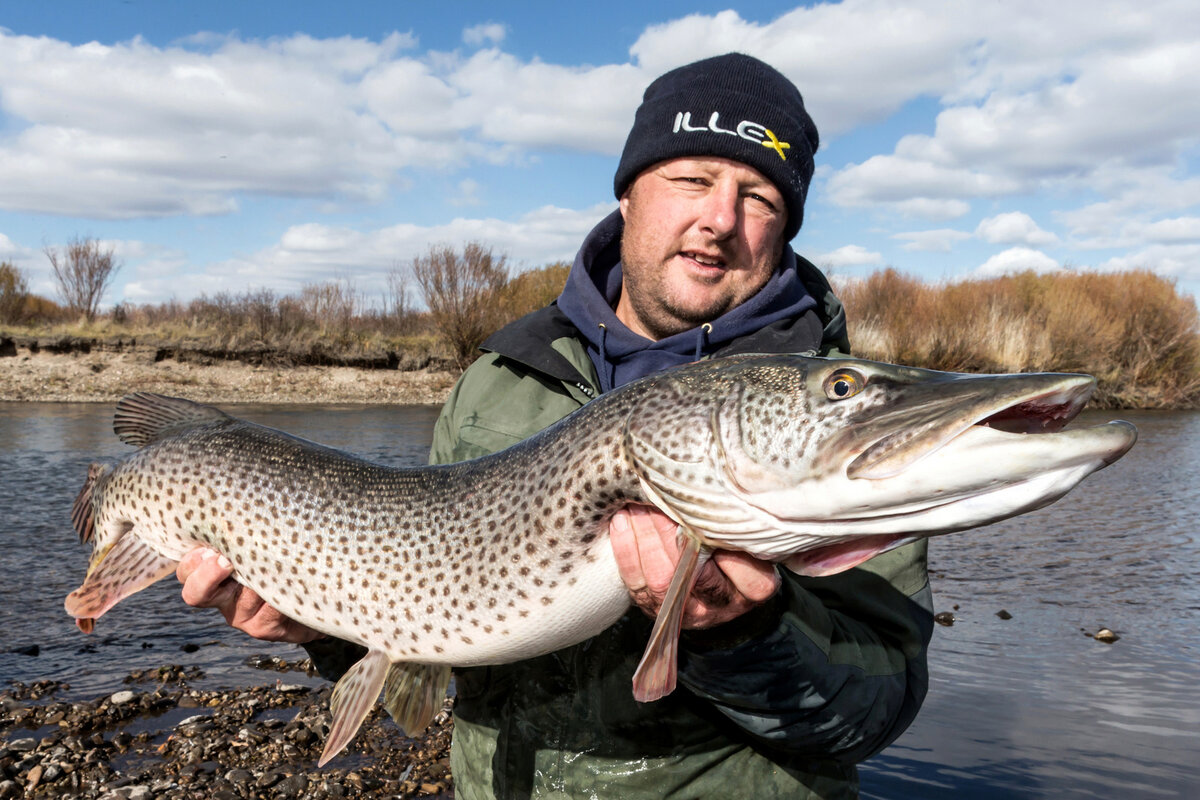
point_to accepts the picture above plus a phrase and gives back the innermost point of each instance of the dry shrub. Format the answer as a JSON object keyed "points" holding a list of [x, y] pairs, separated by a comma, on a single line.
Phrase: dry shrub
{"points": [[1132, 330], [83, 271], [529, 291], [462, 292], [14, 292]]}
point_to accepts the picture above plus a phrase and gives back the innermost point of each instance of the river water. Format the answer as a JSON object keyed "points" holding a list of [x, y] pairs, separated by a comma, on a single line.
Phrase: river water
{"points": [[1023, 707]]}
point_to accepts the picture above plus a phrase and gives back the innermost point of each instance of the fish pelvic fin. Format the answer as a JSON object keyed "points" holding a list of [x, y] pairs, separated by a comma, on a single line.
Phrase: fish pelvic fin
{"points": [[353, 697], [83, 516], [128, 567], [413, 694], [656, 672], [142, 417]]}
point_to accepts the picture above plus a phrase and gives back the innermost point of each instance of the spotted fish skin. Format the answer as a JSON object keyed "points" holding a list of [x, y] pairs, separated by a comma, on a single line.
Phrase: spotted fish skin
{"points": [[815, 463]]}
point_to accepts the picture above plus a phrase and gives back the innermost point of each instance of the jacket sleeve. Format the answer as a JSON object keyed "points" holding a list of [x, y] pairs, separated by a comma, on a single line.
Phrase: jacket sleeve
{"points": [[853, 648]]}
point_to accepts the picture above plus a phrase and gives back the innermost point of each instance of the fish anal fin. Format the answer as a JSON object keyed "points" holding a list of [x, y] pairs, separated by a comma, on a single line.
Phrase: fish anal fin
{"points": [[83, 515], [655, 675], [414, 693], [353, 697], [831, 559], [142, 417], [128, 567]]}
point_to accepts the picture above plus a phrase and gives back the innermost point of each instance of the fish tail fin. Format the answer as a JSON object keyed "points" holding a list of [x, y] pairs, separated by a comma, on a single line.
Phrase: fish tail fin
{"points": [[413, 694], [655, 675], [83, 516], [353, 697], [142, 417]]}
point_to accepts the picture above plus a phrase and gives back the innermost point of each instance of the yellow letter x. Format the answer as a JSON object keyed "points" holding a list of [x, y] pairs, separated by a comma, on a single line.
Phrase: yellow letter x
{"points": [[775, 143]]}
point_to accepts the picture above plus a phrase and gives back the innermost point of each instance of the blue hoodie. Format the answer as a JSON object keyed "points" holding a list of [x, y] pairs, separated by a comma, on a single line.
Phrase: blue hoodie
{"points": [[620, 355]]}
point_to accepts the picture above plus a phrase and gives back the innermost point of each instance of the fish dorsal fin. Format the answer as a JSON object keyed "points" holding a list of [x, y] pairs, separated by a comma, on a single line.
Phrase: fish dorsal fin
{"points": [[143, 417]]}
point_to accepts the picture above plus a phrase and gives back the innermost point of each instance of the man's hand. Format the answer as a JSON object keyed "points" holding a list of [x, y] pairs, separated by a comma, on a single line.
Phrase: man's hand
{"points": [[205, 575], [730, 584]]}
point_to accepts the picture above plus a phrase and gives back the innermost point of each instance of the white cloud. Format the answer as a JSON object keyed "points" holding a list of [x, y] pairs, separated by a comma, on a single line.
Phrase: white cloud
{"points": [[1166, 231], [916, 188], [941, 240], [468, 193], [1016, 259], [313, 252], [484, 33], [133, 130], [1180, 261], [1014, 227], [851, 255]]}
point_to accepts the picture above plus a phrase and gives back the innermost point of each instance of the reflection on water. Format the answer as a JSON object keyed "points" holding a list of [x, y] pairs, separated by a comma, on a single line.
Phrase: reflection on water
{"points": [[1024, 707]]}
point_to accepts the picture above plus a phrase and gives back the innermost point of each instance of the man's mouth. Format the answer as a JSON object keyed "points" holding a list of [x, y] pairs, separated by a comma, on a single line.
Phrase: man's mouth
{"points": [[705, 260]]}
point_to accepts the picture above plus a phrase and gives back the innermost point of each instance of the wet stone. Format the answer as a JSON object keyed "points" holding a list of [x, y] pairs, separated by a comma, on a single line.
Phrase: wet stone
{"points": [[238, 777], [121, 698], [292, 786]]}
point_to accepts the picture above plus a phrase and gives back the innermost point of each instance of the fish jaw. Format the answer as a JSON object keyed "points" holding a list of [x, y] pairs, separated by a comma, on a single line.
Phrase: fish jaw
{"points": [[920, 453]]}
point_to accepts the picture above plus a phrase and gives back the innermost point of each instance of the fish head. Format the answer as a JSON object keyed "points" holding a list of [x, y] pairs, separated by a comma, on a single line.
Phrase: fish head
{"points": [[799, 450]]}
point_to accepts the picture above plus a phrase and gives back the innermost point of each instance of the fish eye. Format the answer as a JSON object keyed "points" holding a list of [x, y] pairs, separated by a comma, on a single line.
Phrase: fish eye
{"points": [[843, 384]]}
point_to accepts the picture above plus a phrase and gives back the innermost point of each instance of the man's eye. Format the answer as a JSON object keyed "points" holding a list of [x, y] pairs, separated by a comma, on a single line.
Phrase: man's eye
{"points": [[758, 198]]}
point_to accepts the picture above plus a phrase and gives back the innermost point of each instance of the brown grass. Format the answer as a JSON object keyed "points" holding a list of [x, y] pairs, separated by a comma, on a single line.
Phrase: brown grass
{"points": [[1132, 330]]}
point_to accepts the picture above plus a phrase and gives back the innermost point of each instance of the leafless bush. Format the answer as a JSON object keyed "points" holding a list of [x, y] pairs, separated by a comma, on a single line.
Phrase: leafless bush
{"points": [[14, 290], [83, 271], [534, 289], [462, 292], [332, 305]]}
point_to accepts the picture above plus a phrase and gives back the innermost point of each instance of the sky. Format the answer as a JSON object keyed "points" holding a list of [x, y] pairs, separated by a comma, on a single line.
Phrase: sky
{"points": [[233, 146]]}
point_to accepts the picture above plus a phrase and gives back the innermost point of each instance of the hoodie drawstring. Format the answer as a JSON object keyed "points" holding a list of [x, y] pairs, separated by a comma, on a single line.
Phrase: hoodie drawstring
{"points": [[606, 380], [701, 339]]}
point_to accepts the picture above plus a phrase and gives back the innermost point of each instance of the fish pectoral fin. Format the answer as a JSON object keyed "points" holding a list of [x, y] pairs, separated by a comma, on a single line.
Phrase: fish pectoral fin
{"points": [[831, 559], [353, 697], [413, 694], [130, 566], [655, 675]]}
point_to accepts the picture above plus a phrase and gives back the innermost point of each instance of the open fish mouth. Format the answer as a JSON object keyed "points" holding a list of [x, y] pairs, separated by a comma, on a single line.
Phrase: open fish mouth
{"points": [[944, 410]]}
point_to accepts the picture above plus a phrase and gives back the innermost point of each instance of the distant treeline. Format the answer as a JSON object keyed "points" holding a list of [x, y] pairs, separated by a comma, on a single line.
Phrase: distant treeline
{"points": [[1133, 330]]}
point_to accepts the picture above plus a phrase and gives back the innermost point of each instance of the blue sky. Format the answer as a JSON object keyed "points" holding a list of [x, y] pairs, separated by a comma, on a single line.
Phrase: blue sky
{"points": [[225, 146]]}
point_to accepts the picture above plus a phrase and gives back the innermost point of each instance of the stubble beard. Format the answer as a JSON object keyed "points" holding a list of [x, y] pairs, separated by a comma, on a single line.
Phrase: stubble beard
{"points": [[664, 314]]}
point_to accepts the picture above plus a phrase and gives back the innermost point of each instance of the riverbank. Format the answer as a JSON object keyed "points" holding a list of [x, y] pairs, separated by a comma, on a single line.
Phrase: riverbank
{"points": [[104, 375], [161, 738]]}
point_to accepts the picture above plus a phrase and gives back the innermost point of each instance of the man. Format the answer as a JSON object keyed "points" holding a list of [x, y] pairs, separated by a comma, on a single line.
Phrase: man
{"points": [[784, 682]]}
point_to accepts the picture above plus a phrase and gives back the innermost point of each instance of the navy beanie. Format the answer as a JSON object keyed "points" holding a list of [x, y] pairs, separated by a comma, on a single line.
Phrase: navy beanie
{"points": [[732, 106]]}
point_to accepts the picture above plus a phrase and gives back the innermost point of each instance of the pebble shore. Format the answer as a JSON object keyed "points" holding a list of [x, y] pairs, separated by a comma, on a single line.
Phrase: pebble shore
{"points": [[161, 738]]}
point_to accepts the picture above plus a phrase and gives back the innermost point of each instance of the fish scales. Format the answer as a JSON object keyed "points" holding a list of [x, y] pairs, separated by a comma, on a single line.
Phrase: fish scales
{"points": [[478, 551], [818, 464]]}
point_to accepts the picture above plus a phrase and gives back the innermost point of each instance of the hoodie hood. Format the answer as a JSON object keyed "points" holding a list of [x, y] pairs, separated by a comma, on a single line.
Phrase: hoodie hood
{"points": [[594, 286]]}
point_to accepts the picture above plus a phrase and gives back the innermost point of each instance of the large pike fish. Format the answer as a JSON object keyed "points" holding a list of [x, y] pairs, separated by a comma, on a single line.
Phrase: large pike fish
{"points": [[817, 464]]}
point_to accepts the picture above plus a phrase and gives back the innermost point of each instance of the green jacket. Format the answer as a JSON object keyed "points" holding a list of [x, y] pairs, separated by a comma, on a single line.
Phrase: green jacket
{"points": [[782, 702]]}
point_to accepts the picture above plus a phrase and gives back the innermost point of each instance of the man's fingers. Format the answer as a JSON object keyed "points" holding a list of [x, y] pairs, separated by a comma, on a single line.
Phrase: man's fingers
{"points": [[658, 547], [753, 579], [206, 579], [625, 550]]}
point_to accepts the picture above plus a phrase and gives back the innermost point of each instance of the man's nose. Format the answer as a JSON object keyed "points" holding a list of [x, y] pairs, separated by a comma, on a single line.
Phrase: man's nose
{"points": [[719, 215]]}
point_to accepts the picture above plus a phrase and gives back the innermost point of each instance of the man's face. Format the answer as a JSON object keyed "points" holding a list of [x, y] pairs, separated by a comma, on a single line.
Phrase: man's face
{"points": [[702, 235]]}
